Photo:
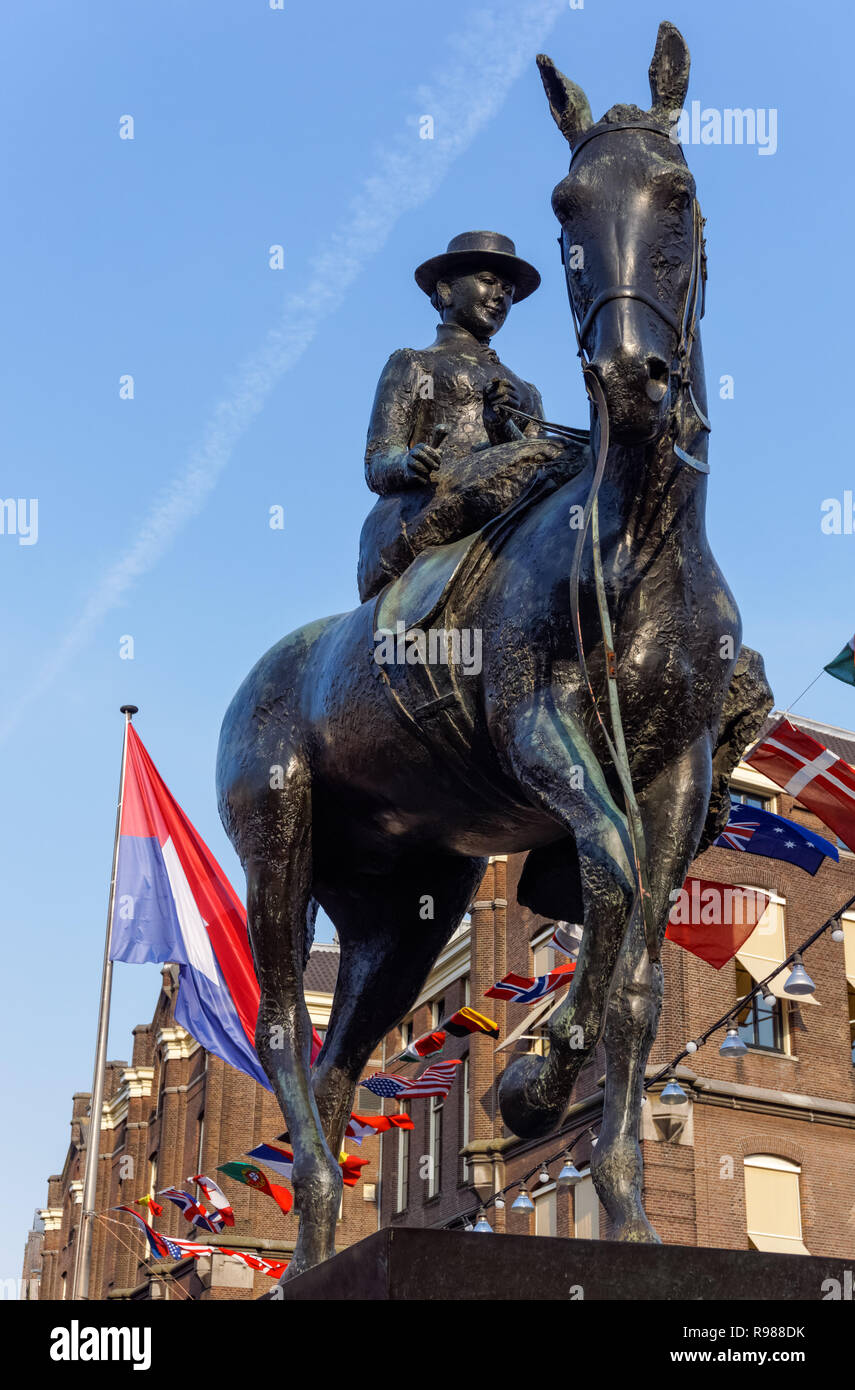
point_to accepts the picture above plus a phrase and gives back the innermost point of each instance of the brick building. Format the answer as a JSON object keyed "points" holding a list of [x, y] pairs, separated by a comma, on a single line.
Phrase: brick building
{"points": [[173, 1111], [761, 1156]]}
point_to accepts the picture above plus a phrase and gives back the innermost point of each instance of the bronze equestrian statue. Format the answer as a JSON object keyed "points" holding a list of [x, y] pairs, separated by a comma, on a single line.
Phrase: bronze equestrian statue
{"points": [[598, 737]]}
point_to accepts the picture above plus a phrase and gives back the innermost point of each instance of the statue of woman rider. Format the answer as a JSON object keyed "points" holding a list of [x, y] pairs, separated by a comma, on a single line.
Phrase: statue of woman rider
{"points": [[442, 452]]}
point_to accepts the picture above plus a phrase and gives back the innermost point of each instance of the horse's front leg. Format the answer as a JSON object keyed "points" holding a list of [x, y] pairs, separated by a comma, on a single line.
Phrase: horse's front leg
{"points": [[673, 809], [551, 759]]}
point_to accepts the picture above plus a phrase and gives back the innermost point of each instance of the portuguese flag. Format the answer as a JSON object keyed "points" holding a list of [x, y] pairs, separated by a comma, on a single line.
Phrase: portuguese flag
{"points": [[251, 1176], [843, 666]]}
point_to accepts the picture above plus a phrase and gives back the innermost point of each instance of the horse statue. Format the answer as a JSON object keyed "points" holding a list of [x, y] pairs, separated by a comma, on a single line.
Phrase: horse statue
{"points": [[598, 737]]}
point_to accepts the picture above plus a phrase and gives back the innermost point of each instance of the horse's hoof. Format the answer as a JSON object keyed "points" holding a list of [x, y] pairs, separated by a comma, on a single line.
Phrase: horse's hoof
{"points": [[523, 1112]]}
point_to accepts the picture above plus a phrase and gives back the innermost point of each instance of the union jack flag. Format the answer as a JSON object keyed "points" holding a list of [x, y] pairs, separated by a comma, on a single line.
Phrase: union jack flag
{"points": [[434, 1081], [527, 989], [193, 1210], [737, 833]]}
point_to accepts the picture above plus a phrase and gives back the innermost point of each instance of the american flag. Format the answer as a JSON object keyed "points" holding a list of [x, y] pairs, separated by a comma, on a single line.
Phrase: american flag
{"points": [[527, 989], [434, 1081]]}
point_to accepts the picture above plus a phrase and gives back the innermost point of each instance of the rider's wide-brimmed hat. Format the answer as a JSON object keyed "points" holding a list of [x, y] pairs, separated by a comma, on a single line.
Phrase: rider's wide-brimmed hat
{"points": [[480, 251]]}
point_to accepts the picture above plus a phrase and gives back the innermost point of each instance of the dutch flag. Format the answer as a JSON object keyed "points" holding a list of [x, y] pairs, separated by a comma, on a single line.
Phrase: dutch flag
{"points": [[174, 903]]}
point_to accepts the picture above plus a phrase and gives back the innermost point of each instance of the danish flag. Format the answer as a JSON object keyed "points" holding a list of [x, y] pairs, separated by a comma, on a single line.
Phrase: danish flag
{"points": [[821, 781]]}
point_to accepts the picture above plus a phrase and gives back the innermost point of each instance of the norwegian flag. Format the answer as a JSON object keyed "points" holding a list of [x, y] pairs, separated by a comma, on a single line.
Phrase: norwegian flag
{"points": [[821, 781], [434, 1081], [193, 1210], [527, 989]]}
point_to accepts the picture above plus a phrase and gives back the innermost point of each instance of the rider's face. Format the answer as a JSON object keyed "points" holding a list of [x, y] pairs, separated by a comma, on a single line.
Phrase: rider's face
{"points": [[479, 302]]}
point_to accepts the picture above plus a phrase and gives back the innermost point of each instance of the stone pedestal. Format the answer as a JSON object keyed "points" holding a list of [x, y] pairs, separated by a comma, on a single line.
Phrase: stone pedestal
{"points": [[414, 1265]]}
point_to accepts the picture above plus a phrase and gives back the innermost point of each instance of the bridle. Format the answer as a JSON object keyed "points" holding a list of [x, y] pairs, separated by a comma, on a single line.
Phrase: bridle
{"points": [[684, 328], [683, 325]]}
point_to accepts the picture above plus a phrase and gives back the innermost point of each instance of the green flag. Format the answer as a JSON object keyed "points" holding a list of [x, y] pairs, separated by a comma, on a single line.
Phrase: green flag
{"points": [[843, 666]]}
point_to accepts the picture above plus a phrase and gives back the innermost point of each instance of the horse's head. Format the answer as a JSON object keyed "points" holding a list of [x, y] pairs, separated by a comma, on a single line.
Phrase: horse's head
{"points": [[631, 240]]}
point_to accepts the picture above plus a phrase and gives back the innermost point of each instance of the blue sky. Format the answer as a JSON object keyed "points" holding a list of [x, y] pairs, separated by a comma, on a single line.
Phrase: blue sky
{"points": [[252, 386]]}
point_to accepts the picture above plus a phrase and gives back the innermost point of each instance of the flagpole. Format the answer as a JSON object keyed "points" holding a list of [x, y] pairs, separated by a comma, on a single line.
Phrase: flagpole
{"points": [[83, 1262]]}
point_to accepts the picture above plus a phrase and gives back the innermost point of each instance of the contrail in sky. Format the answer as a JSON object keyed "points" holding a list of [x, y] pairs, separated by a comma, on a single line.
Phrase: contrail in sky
{"points": [[482, 62]]}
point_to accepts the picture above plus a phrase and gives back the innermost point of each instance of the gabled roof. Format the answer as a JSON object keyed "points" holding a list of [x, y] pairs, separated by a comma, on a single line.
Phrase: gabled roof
{"points": [[322, 969], [840, 741]]}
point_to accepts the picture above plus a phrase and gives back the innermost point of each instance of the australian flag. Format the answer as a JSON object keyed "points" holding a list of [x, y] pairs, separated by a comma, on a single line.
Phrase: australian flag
{"points": [[754, 831]]}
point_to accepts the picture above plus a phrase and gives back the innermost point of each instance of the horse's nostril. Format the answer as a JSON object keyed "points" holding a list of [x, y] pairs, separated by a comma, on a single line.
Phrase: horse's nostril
{"points": [[657, 378]]}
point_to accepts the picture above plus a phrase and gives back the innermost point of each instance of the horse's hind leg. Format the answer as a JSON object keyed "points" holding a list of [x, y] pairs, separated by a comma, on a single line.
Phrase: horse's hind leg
{"points": [[551, 759], [279, 890], [387, 952], [673, 809]]}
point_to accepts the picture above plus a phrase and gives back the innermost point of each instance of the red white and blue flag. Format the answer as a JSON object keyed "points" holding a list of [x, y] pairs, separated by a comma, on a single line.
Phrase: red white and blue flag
{"points": [[434, 1081], [174, 903], [193, 1211], [165, 1248], [527, 989], [752, 830], [280, 1160], [160, 1246]]}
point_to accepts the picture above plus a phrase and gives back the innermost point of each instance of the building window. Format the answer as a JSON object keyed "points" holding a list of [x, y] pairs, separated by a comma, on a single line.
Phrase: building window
{"points": [[769, 1028], [464, 1127], [543, 955], [467, 991], [435, 1104], [152, 1174], [406, 1034], [545, 1211], [759, 1024], [402, 1192], [586, 1210], [437, 1012], [773, 1215], [763, 803]]}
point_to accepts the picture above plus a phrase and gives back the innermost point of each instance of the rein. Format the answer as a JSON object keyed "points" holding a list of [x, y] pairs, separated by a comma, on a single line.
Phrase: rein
{"points": [[684, 328]]}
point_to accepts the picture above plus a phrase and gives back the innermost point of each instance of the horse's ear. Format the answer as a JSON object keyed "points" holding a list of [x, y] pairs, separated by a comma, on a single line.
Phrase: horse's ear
{"points": [[669, 72], [567, 102]]}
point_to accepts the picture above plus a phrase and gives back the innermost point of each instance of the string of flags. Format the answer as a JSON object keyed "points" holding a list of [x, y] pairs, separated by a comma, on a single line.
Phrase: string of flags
{"points": [[169, 1248], [672, 1094]]}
